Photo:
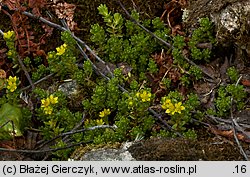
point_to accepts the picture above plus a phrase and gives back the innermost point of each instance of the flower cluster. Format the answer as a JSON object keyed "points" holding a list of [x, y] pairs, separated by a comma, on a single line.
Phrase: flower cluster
{"points": [[8, 34], [105, 113], [12, 83], [61, 49], [172, 108], [145, 96], [47, 102]]}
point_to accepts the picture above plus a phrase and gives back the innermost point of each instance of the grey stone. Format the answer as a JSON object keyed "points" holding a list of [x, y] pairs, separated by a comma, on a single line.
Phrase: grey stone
{"points": [[109, 154]]}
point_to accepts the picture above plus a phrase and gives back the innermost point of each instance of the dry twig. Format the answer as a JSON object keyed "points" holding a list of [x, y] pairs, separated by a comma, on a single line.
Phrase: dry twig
{"points": [[26, 72], [39, 81], [42, 151], [61, 135], [233, 125], [74, 132]]}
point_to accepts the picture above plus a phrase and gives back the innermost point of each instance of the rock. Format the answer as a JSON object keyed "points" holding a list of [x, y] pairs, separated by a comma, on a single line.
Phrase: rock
{"points": [[69, 88], [233, 25], [163, 149], [231, 19], [105, 154]]}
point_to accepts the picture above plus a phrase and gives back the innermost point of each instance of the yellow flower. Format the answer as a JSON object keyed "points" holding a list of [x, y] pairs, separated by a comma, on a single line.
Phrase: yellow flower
{"points": [[104, 113], [9, 53], [53, 100], [12, 79], [45, 103], [99, 122], [48, 110], [60, 50], [179, 107], [170, 109], [166, 103], [8, 35], [145, 96], [12, 85]]}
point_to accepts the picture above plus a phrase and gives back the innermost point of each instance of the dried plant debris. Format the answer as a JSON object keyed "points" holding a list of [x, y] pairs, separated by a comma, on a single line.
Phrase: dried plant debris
{"points": [[66, 11], [28, 43]]}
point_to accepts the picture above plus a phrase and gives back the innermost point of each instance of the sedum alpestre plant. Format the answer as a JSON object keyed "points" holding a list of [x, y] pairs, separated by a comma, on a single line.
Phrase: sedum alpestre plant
{"points": [[103, 102], [203, 37], [122, 41], [230, 96], [179, 109], [63, 60], [128, 111], [13, 117], [225, 94]]}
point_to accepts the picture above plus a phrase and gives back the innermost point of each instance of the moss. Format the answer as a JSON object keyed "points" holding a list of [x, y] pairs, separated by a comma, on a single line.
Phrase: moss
{"points": [[206, 147]]}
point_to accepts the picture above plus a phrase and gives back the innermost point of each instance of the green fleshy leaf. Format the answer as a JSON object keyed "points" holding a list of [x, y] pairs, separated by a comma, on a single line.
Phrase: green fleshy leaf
{"points": [[10, 112]]}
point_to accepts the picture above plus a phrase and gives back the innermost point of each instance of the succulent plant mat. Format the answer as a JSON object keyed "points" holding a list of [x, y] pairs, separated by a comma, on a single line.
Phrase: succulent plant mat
{"points": [[151, 72]]}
